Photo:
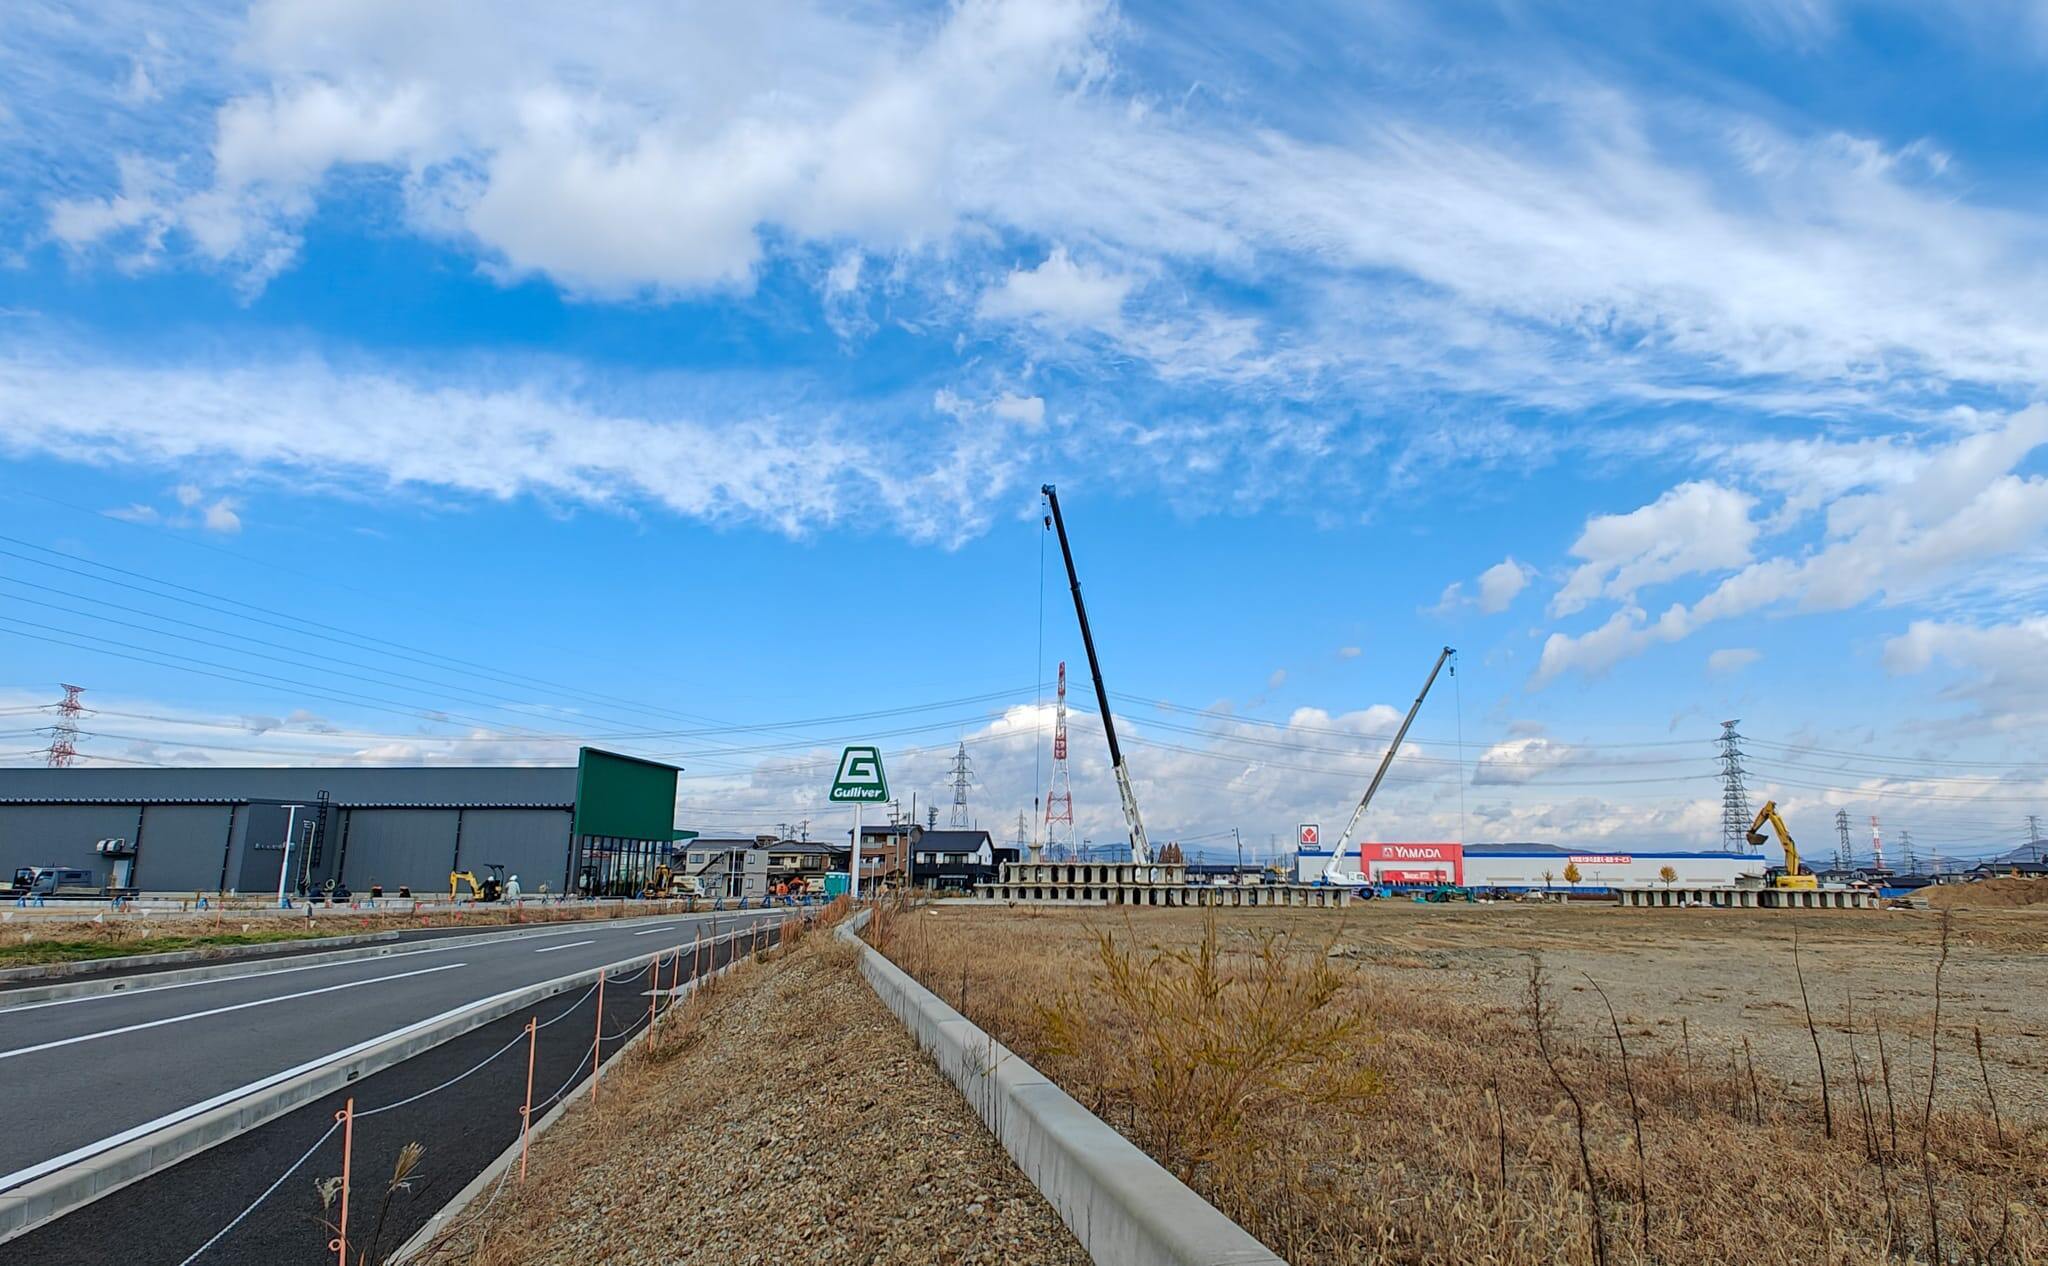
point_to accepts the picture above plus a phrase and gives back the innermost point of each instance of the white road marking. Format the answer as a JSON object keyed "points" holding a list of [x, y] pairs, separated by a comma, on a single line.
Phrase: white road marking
{"points": [[652, 931], [239, 1006], [6, 1010], [571, 945]]}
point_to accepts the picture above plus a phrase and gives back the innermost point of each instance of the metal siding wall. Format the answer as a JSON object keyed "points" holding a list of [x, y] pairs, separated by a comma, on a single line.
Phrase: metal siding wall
{"points": [[181, 847], [532, 843], [401, 846], [61, 835]]}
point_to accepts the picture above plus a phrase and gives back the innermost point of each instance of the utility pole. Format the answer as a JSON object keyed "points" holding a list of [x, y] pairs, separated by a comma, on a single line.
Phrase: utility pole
{"points": [[1239, 876], [1735, 817], [284, 867], [1842, 846]]}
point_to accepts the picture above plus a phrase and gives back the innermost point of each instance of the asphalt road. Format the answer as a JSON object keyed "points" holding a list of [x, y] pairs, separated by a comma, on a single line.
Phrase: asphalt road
{"points": [[112, 1067], [459, 1100]]}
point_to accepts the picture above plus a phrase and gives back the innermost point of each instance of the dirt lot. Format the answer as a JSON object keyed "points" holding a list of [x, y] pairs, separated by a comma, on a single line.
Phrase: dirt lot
{"points": [[1376, 1085], [786, 1117]]}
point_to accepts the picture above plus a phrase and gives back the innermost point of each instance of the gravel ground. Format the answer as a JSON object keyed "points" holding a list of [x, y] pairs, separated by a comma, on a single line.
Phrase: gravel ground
{"points": [[786, 1118]]}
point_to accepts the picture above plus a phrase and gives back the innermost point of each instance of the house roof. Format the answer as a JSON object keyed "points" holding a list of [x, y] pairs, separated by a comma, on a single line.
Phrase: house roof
{"points": [[954, 841]]}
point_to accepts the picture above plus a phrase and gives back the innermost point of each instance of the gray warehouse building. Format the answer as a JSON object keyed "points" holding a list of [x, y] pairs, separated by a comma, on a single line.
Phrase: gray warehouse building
{"points": [[597, 827]]}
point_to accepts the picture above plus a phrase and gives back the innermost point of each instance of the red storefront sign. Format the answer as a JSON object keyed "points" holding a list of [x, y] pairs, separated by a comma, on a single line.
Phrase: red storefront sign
{"points": [[1414, 863]]}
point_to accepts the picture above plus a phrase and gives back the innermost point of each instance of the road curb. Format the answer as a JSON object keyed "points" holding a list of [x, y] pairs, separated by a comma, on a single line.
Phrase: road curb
{"points": [[186, 975], [423, 1238], [44, 1199], [1123, 1206]]}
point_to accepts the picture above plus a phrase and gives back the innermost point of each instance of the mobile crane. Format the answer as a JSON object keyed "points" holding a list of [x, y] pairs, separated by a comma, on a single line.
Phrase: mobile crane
{"points": [[1141, 848], [1793, 877], [1334, 873]]}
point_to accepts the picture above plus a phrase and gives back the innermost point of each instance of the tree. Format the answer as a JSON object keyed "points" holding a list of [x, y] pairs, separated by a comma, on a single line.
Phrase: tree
{"points": [[1571, 874], [1172, 855], [1668, 875], [1548, 880]]}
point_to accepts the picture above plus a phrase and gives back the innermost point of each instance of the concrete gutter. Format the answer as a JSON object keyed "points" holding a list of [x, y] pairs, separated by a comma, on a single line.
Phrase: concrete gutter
{"points": [[198, 954], [1120, 1203], [423, 1239], [382, 943], [41, 1200]]}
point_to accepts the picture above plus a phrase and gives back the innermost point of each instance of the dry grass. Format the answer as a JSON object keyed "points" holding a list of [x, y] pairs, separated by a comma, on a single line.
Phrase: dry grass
{"points": [[784, 1116], [43, 940], [1468, 1147]]}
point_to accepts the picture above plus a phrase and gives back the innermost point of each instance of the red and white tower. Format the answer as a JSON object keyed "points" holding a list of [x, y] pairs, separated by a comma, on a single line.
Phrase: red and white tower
{"points": [[1059, 801], [1876, 845], [64, 735]]}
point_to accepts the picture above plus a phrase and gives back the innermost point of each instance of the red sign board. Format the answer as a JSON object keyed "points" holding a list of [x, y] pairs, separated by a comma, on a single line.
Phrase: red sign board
{"points": [[1308, 835], [1429, 863]]}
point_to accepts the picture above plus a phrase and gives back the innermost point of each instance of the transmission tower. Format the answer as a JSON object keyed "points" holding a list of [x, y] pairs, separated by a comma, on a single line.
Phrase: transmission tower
{"points": [[1734, 795], [63, 749], [1023, 833], [963, 773], [1059, 801], [2034, 834], [1842, 847], [1906, 854]]}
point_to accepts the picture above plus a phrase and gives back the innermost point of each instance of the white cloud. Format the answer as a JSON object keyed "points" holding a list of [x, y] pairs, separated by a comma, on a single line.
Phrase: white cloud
{"points": [[1694, 527], [1521, 760], [1733, 659], [1499, 584], [1349, 652], [1059, 293], [221, 517], [378, 431], [1276, 679], [1027, 411], [2004, 666], [1926, 520], [1611, 242]]}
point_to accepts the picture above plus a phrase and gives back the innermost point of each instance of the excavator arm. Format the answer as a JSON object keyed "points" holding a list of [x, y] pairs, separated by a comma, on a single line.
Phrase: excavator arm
{"points": [[1756, 837]]}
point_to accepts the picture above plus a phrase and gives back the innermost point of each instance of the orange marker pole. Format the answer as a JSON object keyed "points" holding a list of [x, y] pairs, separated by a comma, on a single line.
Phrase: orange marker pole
{"points": [[347, 1117], [597, 1042], [526, 1113], [653, 992]]}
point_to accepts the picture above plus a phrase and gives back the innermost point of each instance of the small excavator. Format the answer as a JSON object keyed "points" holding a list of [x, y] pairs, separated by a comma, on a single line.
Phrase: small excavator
{"points": [[1792, 876], [490, 888]]}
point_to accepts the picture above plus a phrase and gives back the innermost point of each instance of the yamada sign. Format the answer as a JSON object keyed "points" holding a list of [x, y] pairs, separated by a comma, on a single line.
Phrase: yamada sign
{"points": [[1414, 863]]}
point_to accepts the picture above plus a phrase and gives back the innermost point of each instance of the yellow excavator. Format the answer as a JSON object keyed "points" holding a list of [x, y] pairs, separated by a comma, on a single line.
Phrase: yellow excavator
{"points": [[1793, 876], [489, 888]]}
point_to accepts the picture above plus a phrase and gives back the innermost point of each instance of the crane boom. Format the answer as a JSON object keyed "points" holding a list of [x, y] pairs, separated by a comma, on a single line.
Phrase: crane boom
{"points": [[1141, 848], [1334, 872]]}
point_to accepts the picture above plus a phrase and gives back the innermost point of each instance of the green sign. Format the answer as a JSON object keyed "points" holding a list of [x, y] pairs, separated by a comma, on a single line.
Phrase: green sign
{"points": [[860, 779]]}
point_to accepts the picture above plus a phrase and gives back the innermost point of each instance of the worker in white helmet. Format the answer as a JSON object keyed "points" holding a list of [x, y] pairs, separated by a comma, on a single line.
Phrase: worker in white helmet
{"points": [[512, 889]]}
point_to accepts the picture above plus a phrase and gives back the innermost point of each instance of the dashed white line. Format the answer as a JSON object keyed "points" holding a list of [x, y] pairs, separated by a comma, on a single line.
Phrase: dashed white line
{"points": [[651, 931], [570, 945], [239, 1006]]}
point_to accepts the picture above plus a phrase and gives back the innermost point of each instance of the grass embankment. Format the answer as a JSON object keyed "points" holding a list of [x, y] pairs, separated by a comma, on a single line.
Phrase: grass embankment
{"points": [[41, 942], [1346, 1114], [780, 1114]]}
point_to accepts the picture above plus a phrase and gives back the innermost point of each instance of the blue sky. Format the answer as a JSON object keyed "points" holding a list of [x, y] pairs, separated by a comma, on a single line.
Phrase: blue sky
{"points": [[532, 378]]}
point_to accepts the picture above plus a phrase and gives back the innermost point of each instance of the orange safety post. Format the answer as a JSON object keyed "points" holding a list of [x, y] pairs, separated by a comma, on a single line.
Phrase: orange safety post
{"points": [[347, 1117], [653, 993], [597, 1042], [675, 976], [526, 1113]]}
